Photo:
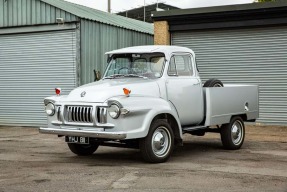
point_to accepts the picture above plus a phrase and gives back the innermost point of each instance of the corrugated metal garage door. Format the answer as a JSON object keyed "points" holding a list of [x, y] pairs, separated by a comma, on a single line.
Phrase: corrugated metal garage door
{"points": [[31, 66], [253, 56]]}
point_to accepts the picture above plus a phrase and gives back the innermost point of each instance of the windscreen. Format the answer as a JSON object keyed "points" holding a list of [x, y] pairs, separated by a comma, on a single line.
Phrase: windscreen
{"points": [[136, 65]]}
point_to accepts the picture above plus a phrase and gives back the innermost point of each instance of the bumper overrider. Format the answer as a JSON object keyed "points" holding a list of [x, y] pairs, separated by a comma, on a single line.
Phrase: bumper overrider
{"points": [[84, 133]]}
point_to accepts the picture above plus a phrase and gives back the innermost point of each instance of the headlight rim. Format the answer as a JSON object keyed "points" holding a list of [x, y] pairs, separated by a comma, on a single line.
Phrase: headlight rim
{"points": [[53, 109], [118, 110]]}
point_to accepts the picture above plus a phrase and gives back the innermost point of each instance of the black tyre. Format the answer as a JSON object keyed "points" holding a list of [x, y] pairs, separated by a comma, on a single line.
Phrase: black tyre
{"points": [[233, 134], [83, 150], [158, 145], [213, 83]]}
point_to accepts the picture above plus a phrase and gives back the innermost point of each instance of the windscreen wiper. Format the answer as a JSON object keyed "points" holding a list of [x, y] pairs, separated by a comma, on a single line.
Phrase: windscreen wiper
{"points": [[114, 76], [135, 75]]}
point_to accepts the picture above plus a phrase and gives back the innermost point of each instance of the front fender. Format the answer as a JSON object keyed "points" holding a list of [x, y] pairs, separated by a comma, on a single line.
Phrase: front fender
{"points": [[54, 99], [142, 112]]}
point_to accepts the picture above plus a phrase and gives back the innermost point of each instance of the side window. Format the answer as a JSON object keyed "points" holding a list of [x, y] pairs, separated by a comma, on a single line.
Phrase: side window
{"points": [[181, 65], [172, 67]]}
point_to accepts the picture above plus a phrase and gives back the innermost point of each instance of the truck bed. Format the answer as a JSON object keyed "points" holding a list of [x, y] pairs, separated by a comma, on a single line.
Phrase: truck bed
{"points": [[221, 103]]}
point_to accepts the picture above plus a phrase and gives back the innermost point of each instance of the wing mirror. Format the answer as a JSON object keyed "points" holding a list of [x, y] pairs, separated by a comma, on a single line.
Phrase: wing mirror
{"points": [[97, 75]]}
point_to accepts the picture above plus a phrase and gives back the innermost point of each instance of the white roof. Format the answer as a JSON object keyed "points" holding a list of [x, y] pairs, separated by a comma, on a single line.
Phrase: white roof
{"points": [[152, 49]]}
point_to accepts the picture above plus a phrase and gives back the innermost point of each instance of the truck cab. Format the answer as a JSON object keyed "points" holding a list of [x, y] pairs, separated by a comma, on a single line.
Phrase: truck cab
{"points": [[148, 97], [175, 73]]}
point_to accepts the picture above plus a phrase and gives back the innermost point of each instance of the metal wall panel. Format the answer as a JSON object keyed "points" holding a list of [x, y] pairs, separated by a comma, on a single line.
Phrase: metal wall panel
{"points": [[91, 14], [30, 12], [251, 56], [31, 66], [98, 38]]}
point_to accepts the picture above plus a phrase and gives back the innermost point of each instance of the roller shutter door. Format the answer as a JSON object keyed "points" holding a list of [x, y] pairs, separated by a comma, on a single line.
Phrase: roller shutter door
{"points": [[253, 56], [31, 66]]}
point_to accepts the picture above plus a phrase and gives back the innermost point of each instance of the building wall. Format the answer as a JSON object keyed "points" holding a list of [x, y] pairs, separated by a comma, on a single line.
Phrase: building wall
{"points": [[97, 39], [254, 55], [161, 33], [30, 12], [38, 50]]}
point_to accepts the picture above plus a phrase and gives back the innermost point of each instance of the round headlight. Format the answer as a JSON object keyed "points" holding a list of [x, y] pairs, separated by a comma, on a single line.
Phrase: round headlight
{"points": [[50, 109], [114, 111]]}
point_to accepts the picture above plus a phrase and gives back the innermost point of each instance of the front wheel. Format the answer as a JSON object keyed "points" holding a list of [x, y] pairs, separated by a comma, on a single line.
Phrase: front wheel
{"points": [[83, 150], [158, 145], [233, 133]]}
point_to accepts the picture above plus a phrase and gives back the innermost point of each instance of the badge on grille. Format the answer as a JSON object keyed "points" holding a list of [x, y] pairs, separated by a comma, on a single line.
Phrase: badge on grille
{"points": [[83, 94]]}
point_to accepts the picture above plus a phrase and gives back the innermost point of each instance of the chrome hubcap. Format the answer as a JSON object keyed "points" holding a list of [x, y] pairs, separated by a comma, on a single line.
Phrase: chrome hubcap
{"points": [[161, 141], [237, 132]]}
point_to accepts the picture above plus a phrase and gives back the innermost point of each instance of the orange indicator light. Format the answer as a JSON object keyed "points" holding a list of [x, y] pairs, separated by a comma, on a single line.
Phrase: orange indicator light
{"points": [[127, 92]]}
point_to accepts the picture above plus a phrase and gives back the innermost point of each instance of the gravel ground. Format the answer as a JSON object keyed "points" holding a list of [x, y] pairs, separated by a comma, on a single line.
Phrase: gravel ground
{"points": [[30, 161]]}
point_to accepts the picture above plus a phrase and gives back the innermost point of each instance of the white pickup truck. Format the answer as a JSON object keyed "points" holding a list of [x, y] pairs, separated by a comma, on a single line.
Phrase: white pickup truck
{"points": [[148, 97]]}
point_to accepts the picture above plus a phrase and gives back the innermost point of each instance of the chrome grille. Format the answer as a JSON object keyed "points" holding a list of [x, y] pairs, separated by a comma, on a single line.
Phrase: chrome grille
{"points": [[59, 113], [79, 114]]}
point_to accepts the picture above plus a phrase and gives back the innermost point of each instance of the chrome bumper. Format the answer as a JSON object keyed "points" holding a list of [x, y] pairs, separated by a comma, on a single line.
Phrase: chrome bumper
{"points": [[83, 133]]}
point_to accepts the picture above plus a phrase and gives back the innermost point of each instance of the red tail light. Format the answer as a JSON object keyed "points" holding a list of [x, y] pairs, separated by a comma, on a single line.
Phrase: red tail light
{"points": [[58, 91]]}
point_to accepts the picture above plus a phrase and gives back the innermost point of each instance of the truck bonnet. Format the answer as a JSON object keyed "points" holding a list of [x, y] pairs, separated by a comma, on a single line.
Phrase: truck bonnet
{"points": [[104, 89]]}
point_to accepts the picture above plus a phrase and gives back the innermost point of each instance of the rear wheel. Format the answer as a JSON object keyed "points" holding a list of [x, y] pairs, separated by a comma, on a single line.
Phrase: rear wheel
{"points": [[213, 83], [83, 150], [158, 145], [233, 133]]}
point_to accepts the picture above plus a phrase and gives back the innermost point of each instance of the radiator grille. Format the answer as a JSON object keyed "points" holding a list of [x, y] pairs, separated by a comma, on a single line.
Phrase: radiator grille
{"points": [[79, 114]]}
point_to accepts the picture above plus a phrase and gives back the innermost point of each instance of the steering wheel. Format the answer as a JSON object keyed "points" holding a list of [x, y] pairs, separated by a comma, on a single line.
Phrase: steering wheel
{"points": [[122, 69]]}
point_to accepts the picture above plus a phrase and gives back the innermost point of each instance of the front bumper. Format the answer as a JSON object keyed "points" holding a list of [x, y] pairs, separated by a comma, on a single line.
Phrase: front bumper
{"points": [[84, 133]]}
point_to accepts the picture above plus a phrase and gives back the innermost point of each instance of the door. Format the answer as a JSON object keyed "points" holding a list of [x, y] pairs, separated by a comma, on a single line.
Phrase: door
{"points": [[184, 89], [32, 65]]}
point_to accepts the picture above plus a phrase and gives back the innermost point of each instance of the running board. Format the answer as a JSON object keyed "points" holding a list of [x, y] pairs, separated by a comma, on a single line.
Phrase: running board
{"points": [[198, 128], [193, 128]]}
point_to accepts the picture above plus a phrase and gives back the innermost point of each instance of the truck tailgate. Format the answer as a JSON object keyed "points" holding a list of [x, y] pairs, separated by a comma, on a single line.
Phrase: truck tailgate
{"points": [[221, 103]]}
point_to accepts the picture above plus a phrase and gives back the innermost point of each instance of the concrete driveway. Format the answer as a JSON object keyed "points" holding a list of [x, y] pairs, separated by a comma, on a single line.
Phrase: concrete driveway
{"points": [[33, 162]]}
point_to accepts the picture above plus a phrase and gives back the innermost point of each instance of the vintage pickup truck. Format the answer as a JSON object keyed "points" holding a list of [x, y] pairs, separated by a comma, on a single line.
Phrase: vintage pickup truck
{"points": [[148, 97]]}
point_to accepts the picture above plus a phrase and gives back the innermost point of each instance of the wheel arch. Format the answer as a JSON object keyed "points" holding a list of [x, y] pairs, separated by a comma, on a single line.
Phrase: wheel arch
{"points": [[147, 109], [243, 117], [174, 124]]}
